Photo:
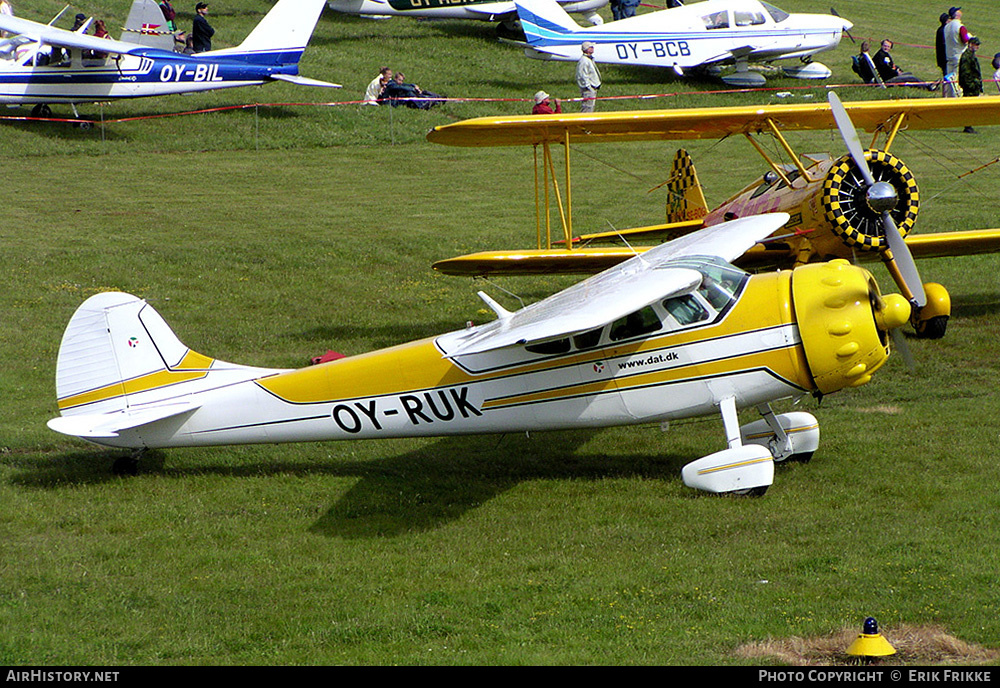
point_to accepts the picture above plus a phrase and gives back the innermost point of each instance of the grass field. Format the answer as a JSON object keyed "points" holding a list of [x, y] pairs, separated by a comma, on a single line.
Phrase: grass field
{"points": [[268, 235]]}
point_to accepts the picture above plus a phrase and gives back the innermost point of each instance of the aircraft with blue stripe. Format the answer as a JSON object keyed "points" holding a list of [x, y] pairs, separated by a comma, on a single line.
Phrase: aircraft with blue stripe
{"points": [[41, 65], [690, 37]]}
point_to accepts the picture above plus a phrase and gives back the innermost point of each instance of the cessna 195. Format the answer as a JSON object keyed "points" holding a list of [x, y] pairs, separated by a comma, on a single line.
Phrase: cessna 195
{"points": [[701, 35], [41, 64], [860, 205], [675, 333], [483, 10]]}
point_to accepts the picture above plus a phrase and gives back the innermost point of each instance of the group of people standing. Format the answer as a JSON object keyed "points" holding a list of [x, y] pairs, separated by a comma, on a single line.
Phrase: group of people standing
{"points": [[957, 57]]}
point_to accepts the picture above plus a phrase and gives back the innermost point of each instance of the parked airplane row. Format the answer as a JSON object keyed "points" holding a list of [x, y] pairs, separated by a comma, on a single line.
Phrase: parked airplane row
{"points": [[41, 64]]}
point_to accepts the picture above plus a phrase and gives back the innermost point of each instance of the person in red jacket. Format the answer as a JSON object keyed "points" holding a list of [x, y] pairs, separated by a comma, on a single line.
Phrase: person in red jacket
{"points": [[543, 105]]}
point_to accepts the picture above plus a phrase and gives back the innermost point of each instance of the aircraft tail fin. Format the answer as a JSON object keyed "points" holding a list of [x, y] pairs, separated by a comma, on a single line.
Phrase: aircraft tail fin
{"points": [[146, 26], [282, 35], [120, 366], [685, 200], [544, 19]]}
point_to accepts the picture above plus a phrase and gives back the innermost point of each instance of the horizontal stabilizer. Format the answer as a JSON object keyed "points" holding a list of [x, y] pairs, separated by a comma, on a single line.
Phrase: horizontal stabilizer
{"points": [[304, 81], [105, 425]]}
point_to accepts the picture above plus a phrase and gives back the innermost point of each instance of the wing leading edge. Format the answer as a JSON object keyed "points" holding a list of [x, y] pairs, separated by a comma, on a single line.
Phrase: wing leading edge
{"points": [[710, 123]]}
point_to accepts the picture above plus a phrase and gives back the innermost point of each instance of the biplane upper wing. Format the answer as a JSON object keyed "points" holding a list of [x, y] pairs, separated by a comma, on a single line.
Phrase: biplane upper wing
{"points": [[50, 35], [616, 292], [712, 123]]}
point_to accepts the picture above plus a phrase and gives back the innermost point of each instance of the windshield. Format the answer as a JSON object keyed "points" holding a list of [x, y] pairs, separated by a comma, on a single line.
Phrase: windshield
{"points": [[778, 15]]}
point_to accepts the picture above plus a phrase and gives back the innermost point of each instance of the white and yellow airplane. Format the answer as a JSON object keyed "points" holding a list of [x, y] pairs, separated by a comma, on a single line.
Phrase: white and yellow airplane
{"points": [[862, 205], [675, 333]]}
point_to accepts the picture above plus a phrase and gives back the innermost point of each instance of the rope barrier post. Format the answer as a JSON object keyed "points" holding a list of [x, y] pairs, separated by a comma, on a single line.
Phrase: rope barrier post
{"points": [[256, 122]]}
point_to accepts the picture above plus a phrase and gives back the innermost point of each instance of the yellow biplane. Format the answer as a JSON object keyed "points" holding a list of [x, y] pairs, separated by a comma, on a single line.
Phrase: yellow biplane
{"points": [[862, 205]]}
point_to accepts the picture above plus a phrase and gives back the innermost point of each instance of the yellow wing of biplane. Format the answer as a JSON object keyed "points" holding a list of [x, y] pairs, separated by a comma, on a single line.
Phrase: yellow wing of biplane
{"points": [[794, 244], [712, 123]]}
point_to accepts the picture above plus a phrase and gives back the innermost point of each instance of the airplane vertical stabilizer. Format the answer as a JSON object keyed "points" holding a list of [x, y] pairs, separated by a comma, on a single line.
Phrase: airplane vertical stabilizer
{"points": [[285, 29], [544, 19], [119, 355], [685, 200]]}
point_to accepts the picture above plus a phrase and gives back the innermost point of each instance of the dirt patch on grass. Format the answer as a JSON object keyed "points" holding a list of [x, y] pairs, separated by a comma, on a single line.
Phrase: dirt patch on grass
{"points": [[916, 645]]}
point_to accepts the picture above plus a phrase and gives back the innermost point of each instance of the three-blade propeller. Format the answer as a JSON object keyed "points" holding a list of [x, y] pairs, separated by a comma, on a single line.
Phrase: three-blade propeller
{"points": [[882, 198]]}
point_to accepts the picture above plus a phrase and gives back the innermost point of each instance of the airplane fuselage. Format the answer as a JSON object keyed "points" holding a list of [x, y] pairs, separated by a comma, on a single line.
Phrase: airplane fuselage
{"points": [[154, 73], [746, 347], [829, 214], [700, 34]]}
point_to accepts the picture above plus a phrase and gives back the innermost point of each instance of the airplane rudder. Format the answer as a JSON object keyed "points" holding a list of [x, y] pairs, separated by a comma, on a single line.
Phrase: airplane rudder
{"points": [[111, 338], [685, 198]]}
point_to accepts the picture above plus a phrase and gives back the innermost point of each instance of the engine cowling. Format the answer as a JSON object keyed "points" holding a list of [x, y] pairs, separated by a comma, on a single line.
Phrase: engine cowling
{"points": [[846, 205]]}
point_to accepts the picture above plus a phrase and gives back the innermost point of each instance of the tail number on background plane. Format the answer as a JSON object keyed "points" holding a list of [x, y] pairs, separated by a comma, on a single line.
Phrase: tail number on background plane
{"points": [[630, 51], [426, 407], [202, 72]]}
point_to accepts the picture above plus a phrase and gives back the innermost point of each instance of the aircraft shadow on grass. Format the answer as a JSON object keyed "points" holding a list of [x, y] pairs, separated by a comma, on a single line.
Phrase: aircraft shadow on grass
{"points": [[417, 490]]}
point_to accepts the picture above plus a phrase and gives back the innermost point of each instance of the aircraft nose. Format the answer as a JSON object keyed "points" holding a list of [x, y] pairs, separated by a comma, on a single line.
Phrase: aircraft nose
{"points": [[843, 322]]}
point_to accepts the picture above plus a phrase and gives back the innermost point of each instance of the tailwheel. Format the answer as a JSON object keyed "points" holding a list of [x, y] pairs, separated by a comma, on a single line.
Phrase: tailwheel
{"points": [[127, 465]]}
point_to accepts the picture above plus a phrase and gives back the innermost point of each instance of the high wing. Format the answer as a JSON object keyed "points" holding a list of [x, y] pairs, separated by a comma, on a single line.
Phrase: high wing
{"points": [[51, 35], [711, 123], [617, 292]]}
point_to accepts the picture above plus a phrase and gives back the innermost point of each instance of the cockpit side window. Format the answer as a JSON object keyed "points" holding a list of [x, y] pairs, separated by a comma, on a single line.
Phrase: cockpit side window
{"points": [[588, 339], [641, 322], [554, 346], [716, 20], [686, 309], [748, 18]]}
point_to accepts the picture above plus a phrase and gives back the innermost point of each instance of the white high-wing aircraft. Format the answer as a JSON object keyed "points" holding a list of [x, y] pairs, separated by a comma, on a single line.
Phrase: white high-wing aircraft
{"points": [[483, 10], [674, 333], [702, 35], [41, 64]]}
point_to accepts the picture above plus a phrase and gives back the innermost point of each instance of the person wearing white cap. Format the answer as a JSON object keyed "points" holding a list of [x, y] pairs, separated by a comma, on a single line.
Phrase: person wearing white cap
{"points": [[543, 106], [588, 78]]}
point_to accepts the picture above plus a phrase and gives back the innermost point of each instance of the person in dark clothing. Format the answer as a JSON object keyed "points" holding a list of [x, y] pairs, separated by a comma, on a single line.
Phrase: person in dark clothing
{"points": [[863, 65], [939, 49], [201, 31], [970, 76], [891, 75], [397, 93]]}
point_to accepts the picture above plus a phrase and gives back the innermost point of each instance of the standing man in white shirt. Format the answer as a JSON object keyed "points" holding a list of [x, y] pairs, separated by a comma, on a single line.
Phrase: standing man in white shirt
{"points": [[588, 77]]}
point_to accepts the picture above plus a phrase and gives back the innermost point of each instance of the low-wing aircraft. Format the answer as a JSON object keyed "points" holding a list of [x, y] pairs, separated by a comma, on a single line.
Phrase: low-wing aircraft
{"points": [[855, 206], [690, 37], [675, 333], [482, 10], [41, 65]]}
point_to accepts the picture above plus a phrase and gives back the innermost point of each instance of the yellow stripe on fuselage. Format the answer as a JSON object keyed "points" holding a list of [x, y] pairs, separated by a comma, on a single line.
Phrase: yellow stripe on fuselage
{"points": [[192, 367]]}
